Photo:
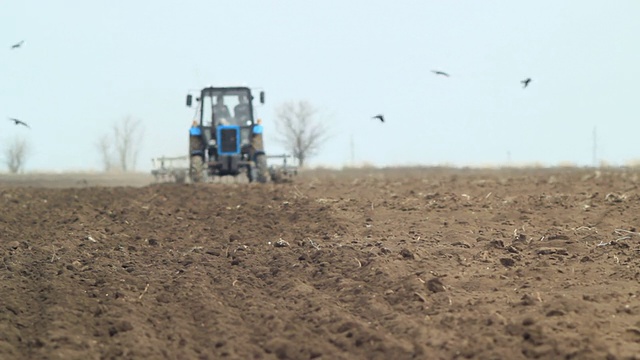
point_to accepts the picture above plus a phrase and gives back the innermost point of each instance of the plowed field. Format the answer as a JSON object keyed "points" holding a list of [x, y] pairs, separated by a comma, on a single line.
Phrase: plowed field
{"points": [[380, 264]]}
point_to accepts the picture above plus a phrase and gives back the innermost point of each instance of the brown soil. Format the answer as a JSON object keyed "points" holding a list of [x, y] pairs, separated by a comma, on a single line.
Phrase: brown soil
{"points": [[402, 264]]}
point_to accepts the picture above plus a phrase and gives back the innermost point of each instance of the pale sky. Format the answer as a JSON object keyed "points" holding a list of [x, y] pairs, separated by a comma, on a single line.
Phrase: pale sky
{"points": [[86, 64]]}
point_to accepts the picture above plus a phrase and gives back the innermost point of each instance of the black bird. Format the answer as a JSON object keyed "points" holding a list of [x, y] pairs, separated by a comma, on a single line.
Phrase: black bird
{"points": [[15, 46], [526, 82], [438, 72], [19, 122], [380, 117]]}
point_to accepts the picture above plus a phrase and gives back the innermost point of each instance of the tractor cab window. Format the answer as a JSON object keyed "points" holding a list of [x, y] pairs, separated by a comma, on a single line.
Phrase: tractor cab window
{"points": [[242, 111], [226, 108]]}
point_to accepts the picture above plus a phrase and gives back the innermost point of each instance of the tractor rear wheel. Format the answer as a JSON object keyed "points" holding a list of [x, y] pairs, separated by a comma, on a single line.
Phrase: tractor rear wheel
{"points": [[195, 170], [262, 172]]}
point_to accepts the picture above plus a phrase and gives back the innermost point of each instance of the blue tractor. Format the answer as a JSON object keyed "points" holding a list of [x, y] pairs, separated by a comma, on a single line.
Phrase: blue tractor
{"points": [[226, 139]]}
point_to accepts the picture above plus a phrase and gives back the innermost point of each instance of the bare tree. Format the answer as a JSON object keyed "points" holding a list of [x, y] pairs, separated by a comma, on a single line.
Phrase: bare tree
{"points": [[122, 149], [300, 131], [16, 154]]}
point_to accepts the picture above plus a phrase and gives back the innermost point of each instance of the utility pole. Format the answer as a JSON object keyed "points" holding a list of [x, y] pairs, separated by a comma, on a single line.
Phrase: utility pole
{"points": [[595, 148]]}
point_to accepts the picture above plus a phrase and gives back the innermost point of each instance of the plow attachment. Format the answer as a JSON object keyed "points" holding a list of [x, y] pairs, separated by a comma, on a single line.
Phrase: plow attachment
{"points": [[284, 172], [170, 169]]}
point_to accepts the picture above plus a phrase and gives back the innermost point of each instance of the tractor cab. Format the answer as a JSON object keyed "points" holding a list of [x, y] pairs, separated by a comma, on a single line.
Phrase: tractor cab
{"points": [[225, 106]]}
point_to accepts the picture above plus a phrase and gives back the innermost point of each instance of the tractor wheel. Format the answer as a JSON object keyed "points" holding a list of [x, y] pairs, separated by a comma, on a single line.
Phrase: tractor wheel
{"points": [[262, 172], [195, 171], [251, 174]]}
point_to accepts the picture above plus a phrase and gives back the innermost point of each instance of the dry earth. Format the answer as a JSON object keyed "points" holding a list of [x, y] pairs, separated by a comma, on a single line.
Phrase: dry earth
{"points": [[368, 264]]}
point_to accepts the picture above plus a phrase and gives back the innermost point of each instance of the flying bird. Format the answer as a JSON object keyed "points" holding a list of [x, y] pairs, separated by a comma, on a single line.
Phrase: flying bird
{"points": [[526, 82], [15, 46], [438, 72], [379, 117], [19, 122]]}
